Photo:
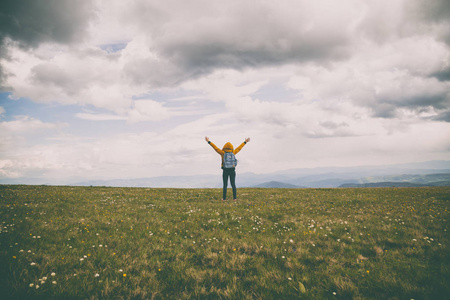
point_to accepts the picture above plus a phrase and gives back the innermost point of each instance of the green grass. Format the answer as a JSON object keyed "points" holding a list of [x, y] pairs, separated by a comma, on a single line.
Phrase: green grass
{"points": [[379, 243]]}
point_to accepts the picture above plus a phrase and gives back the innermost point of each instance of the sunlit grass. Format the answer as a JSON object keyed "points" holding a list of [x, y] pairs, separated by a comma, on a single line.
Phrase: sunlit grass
{"points": [[85, 242]]}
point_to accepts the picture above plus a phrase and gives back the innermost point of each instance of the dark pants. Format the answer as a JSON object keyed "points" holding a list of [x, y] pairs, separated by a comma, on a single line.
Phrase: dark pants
{"points": [[232, 174]]}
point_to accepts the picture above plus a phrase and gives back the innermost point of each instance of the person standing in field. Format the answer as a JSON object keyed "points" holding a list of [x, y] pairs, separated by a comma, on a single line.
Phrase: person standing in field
{"points": [[229, 163]]}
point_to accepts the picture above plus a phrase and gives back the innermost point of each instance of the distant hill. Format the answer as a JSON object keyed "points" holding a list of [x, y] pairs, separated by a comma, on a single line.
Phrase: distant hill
{"points": [[425, 173], [380, 184], [393, 184], [413, 178], [278, 185], [405, 180], [441, 183]]}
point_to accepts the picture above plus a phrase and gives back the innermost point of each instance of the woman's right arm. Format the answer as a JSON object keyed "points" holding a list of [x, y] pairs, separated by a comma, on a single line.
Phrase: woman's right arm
{"points": [[221, 152]]}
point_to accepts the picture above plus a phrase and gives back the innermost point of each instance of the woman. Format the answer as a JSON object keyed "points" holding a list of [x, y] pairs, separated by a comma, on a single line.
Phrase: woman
{"points": [[228, 172]]}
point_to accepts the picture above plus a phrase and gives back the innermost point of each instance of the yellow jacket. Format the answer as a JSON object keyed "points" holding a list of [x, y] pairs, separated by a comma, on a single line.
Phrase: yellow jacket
{"points": [[228, 147]]}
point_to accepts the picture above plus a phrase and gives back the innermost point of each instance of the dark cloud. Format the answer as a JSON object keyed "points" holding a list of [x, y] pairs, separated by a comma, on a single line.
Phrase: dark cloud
{"points": [[443, 116], [389, 108], [384, 110], [75, 75], [443, 75], [435, 10], [203, 57], [438, 101], [333, 125], [51, 75], [258, 38], [436, 13], [194, 40], [198, 38], [32, 22]]}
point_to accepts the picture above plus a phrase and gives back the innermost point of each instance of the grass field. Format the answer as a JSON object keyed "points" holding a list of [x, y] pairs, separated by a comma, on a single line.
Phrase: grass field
{"points": [[94, 242]]}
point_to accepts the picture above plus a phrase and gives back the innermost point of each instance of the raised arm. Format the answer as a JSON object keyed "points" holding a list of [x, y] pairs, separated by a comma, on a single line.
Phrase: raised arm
{"points": [[221, 152], [241, 146]]}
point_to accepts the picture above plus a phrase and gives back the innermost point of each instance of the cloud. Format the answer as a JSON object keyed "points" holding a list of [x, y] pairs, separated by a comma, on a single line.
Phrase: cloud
{"points": [[30, 23], [26, 124], [388, 80], [436, 14], [147, 110], [161, 47], [139, 111], [171, 43], [134, 154], [194, 40], [33, 22], [76, 76], [313, 83], [15, 134], [197, 39], [100, 117]]}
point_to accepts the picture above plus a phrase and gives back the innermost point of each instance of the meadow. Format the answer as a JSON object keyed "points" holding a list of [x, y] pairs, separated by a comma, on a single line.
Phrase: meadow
{"points": [[97, 242]]}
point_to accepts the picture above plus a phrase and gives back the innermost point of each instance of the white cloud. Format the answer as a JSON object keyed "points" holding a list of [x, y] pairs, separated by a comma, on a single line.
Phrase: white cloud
{"points": [[115, 155], [147, 110], [86, 76], [27, 125], [140, 111], [100, 117], [385, 79], [13, 141]]}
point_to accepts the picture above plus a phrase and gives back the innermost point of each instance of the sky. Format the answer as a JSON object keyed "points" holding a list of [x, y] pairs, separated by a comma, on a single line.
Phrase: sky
{"points": [[129, 89]]}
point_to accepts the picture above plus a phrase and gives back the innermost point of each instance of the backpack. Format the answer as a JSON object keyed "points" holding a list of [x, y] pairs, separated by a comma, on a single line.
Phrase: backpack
{"points": [[229, 160]]}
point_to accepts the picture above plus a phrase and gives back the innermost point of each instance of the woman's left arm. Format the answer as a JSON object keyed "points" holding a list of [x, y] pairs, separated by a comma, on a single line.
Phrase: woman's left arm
{"points": [[241, 146]]}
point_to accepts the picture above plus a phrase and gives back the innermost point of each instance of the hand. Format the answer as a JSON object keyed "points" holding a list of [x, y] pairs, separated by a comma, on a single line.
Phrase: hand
{"points": [[206, 138], [247, 140]]}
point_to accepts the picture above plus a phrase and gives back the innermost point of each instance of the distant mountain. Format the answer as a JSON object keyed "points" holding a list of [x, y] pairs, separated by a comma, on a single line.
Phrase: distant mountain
{"points": [[394, 184], [440, 183], [195, 181], [413, 178], [278, 185], [381, 184], [417, 173], [403, 181]]}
